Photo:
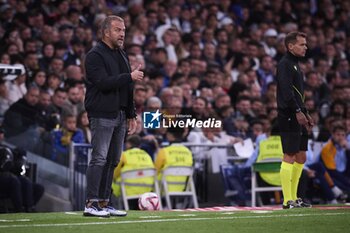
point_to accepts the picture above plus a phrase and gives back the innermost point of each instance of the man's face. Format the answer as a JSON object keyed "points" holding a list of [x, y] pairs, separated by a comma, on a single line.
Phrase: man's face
{"points": [[299, 48], [32, 96], [243, 106], [116, 33], [45, 99], [140, 97], [199, 106], [74, 95], [57, 65], [59, 98], [339, 136], [267, 63]]}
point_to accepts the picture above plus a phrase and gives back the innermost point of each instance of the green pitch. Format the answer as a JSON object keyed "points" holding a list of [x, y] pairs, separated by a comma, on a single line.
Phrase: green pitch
{"points": [[294, 220]]}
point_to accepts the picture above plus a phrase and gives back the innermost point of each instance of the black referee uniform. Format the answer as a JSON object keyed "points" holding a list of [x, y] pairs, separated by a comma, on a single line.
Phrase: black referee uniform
{"points": [[290, 100]]}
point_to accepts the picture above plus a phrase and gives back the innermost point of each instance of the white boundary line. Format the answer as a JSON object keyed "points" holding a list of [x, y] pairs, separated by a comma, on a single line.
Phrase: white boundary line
{"points": [[166, 220]]}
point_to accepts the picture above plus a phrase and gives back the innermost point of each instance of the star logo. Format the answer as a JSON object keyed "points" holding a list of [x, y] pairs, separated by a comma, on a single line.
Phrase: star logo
{"points": [[151, 120], [155, 115]]}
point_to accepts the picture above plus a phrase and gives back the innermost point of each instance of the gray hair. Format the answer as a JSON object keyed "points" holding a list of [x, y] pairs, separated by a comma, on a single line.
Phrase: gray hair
{"points": [[106, 23], [154, 100]]}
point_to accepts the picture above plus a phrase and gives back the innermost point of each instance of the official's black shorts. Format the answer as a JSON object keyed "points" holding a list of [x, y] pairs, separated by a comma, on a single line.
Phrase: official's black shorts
{"points": [[294, 137]]}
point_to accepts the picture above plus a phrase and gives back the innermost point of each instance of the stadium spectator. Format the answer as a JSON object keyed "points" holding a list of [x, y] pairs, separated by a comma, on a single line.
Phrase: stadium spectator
{"points": [[74, 72], [84, 124], [43, 105], [39, 79], [57, 66], [4, 101], [174, 155], [16, 88], [140, 100], [320, 91], [335, 156], [269, 42], [133, 158], [31, 64], [69, 132], [48, 51], [23, 114], [73, 104], [265, 72], [5, 58], [58, 101], [53, 82]]}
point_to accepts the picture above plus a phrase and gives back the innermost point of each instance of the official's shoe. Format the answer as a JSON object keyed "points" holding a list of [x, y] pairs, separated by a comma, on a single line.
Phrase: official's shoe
{"points": [[95, 211], [114, 212], [290, 205], [300, 203], [342, 198]]}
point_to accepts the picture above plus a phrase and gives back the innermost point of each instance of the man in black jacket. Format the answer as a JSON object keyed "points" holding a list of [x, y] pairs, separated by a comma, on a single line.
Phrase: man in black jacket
{"points": [[293, 119], [110, 106], [22, 114]]}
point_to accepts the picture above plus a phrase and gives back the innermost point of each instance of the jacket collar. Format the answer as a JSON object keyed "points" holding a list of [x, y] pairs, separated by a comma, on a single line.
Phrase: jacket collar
{"points": [[104, 45], [292, 57]]}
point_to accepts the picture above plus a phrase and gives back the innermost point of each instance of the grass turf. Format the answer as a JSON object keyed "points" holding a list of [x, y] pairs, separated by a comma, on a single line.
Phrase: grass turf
{"points": [[294, 220]]}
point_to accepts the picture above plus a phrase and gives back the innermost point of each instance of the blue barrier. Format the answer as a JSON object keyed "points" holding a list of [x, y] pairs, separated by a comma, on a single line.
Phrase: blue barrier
{"points": [[79, 155]]}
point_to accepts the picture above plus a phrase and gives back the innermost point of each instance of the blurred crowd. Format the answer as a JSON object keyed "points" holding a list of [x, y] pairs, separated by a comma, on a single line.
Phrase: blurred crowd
{"points": [[204, 58]]}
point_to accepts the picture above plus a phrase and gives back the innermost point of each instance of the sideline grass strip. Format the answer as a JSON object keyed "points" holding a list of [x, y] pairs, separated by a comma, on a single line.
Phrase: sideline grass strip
{"points": [[302, 220]]}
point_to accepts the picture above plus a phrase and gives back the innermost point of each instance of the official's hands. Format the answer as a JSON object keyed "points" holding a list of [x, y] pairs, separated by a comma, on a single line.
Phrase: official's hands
{"points": [[302, 120], [310, 122], [137, 74]]}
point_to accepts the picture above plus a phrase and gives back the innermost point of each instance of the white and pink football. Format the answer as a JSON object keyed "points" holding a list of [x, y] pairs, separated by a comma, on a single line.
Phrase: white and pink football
{"points": [[149, 201]]}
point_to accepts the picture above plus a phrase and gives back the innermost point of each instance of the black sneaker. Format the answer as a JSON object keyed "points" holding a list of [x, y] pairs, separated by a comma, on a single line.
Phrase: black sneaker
{"points": [[95, 211], [290, 205], [300, 203]]}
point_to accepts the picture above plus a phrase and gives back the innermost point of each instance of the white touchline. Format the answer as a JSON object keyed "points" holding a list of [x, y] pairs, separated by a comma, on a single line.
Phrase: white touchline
{"points": [[165, 220], [15, 220]]}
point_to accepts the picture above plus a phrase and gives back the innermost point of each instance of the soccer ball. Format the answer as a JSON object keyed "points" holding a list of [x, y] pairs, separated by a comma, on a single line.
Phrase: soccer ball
{"points": [[149, 201]]}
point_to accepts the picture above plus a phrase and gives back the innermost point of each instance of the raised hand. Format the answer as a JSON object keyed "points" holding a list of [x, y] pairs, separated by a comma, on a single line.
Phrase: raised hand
{"points": [[137, 74]]}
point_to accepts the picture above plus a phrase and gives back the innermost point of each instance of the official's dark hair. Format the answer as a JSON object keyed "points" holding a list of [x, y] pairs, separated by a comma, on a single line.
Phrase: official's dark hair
{"points": [[291, 38]]}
